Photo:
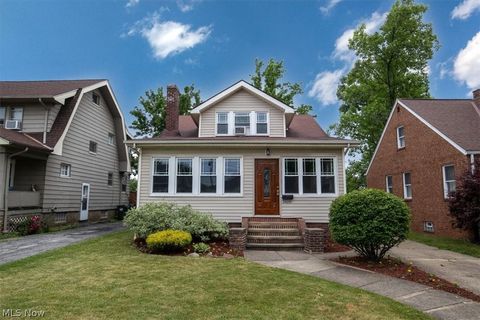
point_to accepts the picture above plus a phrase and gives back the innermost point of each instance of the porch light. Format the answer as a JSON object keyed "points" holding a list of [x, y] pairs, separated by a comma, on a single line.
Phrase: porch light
{"points": [[267, 151]]}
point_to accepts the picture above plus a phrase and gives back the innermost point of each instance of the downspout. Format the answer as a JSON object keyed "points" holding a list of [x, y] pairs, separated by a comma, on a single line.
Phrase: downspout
{"points": [[472, 162], [7, 187], [45, 123]]}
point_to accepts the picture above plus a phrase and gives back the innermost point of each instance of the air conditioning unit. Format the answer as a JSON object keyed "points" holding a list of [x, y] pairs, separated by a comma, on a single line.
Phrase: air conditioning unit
{"points": [[13, 124], [241, 131]]}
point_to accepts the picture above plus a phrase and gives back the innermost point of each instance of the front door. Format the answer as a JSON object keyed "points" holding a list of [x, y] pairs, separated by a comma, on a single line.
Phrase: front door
{"points": [[84, 201], [266, 186]]}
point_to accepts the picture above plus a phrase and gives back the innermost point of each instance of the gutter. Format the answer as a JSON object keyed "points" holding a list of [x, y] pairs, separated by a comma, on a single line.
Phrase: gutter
{"points": [[7, 186]]}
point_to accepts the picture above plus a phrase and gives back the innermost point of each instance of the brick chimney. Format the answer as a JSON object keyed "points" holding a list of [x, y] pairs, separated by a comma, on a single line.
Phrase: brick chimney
{"points": [[476, 97], [173, 110]]}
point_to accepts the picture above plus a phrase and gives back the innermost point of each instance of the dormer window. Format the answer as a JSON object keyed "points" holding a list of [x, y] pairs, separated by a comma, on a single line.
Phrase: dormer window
{"points": [[242, 123], [222, 123], [262, 123]]}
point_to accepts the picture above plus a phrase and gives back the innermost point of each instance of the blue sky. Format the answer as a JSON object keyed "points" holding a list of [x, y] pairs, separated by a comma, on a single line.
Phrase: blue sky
{"points": [[140, 44]]}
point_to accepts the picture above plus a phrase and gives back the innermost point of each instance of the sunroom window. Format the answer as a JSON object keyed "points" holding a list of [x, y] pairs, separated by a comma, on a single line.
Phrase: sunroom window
{"points": [[160, 175], [208, 176], [291, 176], [309, 176], [184, 176], [327, 176], [232, 176]]}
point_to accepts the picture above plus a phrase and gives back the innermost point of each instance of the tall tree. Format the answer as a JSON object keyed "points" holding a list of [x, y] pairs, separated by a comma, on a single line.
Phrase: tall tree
{"points": [[150, 115], [391, 63], [268, 79]]}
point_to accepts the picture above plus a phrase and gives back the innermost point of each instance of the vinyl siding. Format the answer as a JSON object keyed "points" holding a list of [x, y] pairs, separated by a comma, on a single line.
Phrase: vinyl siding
{"points": [[231, 209], [91, 122], [242, 101], [34, 116]]}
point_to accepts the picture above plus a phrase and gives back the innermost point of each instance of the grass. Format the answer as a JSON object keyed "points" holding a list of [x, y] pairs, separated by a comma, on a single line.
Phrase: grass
{"points": [[456, 245], [107, 278]]}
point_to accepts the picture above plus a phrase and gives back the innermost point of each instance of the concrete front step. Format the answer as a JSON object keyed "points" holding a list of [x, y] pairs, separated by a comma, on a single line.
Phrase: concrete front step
{"points": [[272, 219], [274, 232], [270, 246], [273, 225], [274, 239]]}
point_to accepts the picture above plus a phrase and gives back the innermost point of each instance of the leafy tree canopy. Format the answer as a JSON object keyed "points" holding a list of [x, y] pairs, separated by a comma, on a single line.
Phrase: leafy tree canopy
{"points": [[391, 63], [268, 79]]}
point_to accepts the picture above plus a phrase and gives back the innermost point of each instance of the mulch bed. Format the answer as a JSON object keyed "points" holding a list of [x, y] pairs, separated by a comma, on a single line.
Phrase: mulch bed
{"points": [[218, 249], [396, 268], [332, 246]]}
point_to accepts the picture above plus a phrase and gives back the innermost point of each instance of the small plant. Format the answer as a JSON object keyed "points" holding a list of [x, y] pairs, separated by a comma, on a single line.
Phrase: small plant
{"points": [[369, 221], [168, 240], [201, 248]]}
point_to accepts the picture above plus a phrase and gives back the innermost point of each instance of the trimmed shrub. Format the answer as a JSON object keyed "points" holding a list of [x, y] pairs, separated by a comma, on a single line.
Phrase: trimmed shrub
{"points": [[370, 221], [168, 240], [201, 248], [153, 217]]}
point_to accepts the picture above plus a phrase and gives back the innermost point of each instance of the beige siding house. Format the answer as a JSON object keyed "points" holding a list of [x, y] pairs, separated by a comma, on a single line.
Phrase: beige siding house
{"points": [[246, 158], [62, 151]]}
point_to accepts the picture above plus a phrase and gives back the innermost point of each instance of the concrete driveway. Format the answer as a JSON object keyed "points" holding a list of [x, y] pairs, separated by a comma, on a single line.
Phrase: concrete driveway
{"points": [[19, 248], [455, 267]]}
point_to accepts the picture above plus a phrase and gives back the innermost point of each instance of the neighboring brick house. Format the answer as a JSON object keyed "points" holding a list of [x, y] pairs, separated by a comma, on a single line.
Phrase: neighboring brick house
{"points": [[62, 151], [427, 144]]}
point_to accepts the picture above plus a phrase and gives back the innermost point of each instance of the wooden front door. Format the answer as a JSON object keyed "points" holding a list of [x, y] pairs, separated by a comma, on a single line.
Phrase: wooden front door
{"points": [[266, 186]]}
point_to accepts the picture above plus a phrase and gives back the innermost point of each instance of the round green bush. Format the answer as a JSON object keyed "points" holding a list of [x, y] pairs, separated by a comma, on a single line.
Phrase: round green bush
{"points": [[370, 221], [168, 240]]}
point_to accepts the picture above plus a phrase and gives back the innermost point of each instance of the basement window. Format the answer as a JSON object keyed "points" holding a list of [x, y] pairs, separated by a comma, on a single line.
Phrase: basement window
{"points": [[428, 226]]}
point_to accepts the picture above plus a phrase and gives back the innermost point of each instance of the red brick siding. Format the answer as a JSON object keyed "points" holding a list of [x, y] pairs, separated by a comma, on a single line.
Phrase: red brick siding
{"points": [[424, 155]]}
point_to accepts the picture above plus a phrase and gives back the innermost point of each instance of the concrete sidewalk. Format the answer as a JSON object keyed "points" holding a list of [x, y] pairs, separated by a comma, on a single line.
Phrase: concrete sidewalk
{"points": [[439, 304], [455, 267], [19, 248]]}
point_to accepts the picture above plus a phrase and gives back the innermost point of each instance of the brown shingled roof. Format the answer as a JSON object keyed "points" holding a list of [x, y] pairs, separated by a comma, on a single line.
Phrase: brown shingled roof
{"points": [[459, 120], [301, 127], [23, 140], [42, 88]]}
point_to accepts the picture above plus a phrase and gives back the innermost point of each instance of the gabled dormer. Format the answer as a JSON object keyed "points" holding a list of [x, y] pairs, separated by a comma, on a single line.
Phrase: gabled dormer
{"points": [[242, 110]]}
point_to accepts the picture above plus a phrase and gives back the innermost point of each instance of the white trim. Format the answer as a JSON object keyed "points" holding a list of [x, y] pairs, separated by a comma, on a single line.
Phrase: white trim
{"points": [[234, 88], [344, 173], [58, 149], [88, 201], [139, 172], [405, 186], [69, 170], [388, 186], [444, 176], [250, 143], [319, 193], [399, 144], [60, 98], [456, 146], [217, 123]]}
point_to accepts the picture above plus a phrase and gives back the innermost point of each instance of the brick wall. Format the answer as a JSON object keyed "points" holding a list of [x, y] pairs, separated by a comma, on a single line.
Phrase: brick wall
{"points": [[424, 155]]}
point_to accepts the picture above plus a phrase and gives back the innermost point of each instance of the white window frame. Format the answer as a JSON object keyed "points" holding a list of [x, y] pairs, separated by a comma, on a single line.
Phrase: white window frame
{"points": [[196, 171], [110, 180], [318, 175], [215, 174], [96, 147], [400, 138], [65, 173], [445, 181], [3, 115], [255, 123], [153, 174], [387, 185], [428, 226], [243, 114], [224, 175], [405, 186], [217, 123], [111, 139], [185, 175]]}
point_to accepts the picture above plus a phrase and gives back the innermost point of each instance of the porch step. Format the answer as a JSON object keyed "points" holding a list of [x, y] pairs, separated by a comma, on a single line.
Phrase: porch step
{"points": [[272, 233], [274, 246]]}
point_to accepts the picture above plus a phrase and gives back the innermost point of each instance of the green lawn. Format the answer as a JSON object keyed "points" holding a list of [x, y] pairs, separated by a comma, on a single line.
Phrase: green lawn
{"points": [[460, 246], [106, 278]]}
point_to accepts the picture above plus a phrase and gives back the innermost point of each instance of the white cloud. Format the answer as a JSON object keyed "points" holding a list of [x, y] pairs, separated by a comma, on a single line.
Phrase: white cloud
{"points": [[170, 37], [329, 6], [372, 24], [131, 3], [466, 67], [465, 9], [324, 88], [187, 5]]}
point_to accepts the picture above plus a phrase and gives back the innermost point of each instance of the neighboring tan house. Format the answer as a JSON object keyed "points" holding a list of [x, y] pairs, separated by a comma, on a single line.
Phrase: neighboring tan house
{"points": [[427, 144], [62, 151], [248, 159]]}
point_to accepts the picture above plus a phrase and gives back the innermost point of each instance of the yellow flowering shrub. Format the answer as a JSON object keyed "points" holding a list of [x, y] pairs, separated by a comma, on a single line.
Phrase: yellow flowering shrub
{"points": [[168, 240]]}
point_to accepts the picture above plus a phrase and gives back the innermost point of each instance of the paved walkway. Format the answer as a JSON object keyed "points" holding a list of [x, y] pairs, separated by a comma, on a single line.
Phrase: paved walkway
{"points": [[19, 248], [439, 304], [455, 267]]}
